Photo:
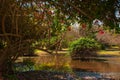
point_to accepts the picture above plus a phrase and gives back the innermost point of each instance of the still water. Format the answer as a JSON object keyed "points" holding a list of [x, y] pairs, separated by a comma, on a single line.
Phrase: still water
{"points": [[102, 66]]}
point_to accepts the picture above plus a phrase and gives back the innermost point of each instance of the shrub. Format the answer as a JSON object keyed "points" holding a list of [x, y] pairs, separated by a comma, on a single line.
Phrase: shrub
{"points": [[84, 47]]}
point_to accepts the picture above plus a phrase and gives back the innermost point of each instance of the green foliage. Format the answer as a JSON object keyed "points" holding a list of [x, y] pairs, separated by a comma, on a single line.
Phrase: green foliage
{"points": [[66, 68], [28, 62], [1, 45], [117, 29], [88, 10], [10, 77], [52, 67], [53, 40], [84, 47], [44, 67], [26, 65], [65, 43]]}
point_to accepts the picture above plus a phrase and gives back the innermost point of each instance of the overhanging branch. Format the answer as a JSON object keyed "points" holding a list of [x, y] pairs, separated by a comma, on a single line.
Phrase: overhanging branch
{"points": [[79, 10]]}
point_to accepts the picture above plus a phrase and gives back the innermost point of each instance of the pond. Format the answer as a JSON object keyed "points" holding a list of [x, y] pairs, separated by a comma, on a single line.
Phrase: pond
{"points": [[107, 67]]}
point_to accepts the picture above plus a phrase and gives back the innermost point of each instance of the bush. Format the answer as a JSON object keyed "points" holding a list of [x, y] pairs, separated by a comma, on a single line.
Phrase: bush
{"points": [[84, 47]]}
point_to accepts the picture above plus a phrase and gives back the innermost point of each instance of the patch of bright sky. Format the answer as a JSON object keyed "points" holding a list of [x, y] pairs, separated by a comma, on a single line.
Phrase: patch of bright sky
{"points": [[117, 14], [97, 22], [76, 24]]}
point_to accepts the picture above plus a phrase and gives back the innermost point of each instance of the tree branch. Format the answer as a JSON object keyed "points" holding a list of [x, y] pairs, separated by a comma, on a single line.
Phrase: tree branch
{"points": [[46, 50], [9, 34], [79, 10]]}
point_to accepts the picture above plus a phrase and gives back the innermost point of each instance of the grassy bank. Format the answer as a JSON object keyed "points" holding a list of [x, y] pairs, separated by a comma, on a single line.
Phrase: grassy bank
{"points": [[109, 53]]}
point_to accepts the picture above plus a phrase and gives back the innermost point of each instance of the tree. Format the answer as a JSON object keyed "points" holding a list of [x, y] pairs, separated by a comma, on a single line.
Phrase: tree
{"points": [[20, 26], [88, 10], [23, 23]]}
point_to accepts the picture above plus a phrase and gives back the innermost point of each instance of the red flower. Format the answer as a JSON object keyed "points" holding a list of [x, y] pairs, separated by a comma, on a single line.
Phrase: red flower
{"points": [[62, 21], [101, 32], [69, 28], [83, 26], [49, 12]]}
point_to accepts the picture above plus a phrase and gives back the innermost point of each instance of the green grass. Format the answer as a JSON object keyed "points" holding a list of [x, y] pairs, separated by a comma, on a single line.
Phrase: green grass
{"points": [[100, 53], [40, 52], [109, 53]]}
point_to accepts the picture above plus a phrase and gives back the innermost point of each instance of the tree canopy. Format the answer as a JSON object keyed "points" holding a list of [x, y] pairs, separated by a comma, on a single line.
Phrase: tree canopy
{"points": [[88, 10]]}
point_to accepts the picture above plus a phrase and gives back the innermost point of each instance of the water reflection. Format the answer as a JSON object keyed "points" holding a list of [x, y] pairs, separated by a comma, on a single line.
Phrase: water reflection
{"points": [[56, 61], [109, 66], [95, 66]]}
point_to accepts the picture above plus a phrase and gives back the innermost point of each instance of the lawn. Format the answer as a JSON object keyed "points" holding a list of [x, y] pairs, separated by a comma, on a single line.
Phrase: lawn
{"points": [[100, 53], [109, 53]]}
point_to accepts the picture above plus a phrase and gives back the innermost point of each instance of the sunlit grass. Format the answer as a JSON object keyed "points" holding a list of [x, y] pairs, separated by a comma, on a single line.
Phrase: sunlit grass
{"points": [[100, 53], [110, 53], [63, 51], [38, 51]]}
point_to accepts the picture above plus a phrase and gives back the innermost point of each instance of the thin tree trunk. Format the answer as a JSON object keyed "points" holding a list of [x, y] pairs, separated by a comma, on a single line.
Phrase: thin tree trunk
{"points": [[3, 25], [3, 57], [17, 25], [1, 77]]}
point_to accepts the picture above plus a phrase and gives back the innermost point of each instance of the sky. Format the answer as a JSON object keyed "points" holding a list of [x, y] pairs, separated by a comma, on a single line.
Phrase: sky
{"points": [[117, 14]]}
